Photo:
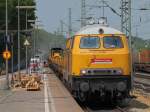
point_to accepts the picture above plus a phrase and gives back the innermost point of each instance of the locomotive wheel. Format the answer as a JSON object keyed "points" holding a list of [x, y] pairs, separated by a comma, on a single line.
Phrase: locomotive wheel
{"points": [[82, 97], [123, 102], [108, 98], [64, 81]]}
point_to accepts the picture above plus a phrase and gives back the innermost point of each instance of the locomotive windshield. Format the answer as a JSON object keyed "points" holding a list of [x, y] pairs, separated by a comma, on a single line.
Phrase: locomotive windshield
{"points": [[113, 42], [89, 42]]}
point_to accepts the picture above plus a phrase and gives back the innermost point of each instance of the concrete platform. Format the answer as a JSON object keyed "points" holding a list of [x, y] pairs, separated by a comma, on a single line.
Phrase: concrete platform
{"points": [[61, 100], [53, 97]]}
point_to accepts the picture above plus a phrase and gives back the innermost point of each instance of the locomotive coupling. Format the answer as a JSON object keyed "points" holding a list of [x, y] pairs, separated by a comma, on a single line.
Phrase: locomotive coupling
{"points": [[84, 87]]}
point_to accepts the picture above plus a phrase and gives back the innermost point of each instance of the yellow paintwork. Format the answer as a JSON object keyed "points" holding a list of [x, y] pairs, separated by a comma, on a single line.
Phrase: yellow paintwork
{"points": [[57, 59], [76, 59]]}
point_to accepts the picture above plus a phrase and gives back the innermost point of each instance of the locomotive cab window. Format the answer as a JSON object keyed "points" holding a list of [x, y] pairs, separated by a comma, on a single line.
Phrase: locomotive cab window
{"points": [[113, 42], [89, 42], [69, 43]]}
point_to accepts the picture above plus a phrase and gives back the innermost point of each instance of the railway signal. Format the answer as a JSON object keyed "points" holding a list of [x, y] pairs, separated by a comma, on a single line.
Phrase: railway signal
{"points": [[6, 55]]}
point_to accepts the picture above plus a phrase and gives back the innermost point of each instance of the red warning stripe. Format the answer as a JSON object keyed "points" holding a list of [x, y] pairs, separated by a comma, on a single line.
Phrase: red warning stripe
{"points": [[101, 60]]}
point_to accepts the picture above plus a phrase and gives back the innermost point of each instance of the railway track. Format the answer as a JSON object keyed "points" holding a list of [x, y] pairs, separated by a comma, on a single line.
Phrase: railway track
{"points": [[100, 107], [142, 86], [142, 75], [117, 109], [141, 82]]}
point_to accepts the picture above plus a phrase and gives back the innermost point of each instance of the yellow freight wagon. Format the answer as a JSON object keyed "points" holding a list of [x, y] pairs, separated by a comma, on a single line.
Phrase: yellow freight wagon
{"points": [[56, 59]]}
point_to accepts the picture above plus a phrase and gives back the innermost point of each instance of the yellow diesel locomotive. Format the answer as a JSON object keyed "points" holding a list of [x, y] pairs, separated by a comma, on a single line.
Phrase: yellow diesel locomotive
{"points": [[96, 64]]}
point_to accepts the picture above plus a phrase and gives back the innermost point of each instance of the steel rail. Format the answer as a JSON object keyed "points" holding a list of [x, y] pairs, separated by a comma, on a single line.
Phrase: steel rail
{"points": [[119, 109], [142, 75], [144, 87]]}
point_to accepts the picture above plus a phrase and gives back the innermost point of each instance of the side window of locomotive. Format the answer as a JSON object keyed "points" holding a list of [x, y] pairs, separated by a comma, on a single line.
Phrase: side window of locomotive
{"points": [[89, 42], [68, 43], [72, 43], [113, 42]]}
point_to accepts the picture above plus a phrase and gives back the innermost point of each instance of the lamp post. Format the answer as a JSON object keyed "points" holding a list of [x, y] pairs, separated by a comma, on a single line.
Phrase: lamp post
{"points": [[7, 75], [26, 9], [19, 41], [12, 60], [33, 25], [21, 7], [36, 26]]}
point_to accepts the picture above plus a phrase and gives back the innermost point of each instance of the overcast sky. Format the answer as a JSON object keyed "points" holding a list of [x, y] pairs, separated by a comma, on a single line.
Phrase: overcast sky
{"points": [[50, 12]]}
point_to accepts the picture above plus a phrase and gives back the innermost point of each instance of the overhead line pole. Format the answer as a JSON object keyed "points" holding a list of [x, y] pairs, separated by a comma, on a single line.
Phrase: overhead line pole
{"points": [[125, 16], [70, 22], [12, 60], [34, 39], [34, 35], [26, 39], [122, 15], [129, 24], [130, 38], [103, 8], [83, 13], [62, 27], [26, 20], [126, 27]]}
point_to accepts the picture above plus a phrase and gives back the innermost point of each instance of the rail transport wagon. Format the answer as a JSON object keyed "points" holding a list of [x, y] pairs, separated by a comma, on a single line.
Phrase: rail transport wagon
{"points": [[142, 62]]}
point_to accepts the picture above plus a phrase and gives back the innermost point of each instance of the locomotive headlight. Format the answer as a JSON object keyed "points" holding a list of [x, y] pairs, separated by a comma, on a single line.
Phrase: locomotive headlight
{"points": [[118, 71], [83, 72]]}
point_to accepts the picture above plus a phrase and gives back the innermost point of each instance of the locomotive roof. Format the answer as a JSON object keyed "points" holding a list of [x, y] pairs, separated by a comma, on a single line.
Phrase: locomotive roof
{"points": [[94, 29]]}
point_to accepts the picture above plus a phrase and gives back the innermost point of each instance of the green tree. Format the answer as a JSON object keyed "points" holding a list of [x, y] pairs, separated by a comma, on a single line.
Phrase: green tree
{"points": [[13, 24]]}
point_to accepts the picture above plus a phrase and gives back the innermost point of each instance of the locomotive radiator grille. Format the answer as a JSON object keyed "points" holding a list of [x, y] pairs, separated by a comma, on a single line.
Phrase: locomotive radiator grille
{"points": [[104, 72]]}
